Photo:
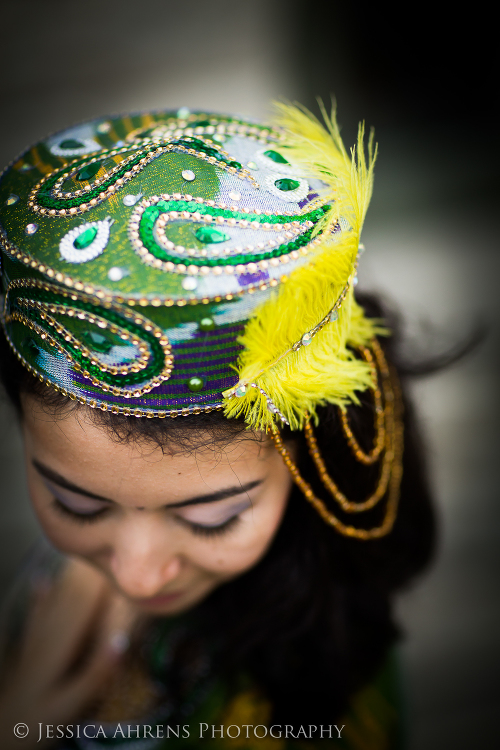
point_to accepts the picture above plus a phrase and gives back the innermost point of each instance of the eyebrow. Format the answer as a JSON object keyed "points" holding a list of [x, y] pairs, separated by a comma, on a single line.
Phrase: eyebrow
{"points": [[212, 497]]}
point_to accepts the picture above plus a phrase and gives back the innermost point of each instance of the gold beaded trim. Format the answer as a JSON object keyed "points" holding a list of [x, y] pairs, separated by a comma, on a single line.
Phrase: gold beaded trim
{"points": [[170, 147], [175, 128], [45, 308], [192, 270], [139, 320], [16, 254], [380, 433], [114, 408], [388, 457], [391, 471], [289, 229], [100, 156]]}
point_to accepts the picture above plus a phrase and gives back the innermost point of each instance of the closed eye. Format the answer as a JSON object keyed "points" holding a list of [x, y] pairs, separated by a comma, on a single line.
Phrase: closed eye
{"points": [[75, 506], [212, 530], [210, 519], [79, 517]]}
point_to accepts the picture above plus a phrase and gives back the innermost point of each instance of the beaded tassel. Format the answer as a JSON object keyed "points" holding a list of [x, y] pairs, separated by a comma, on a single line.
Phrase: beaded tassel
{"points": [[391, 469]]}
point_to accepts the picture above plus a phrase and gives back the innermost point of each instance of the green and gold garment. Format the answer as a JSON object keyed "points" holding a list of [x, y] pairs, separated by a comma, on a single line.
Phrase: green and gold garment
{"points": [[206, 711], [151, 706]]}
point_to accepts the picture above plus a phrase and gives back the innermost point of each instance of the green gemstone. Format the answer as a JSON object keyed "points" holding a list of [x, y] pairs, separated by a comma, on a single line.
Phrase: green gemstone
{"points": [[206, 324], [71, 143], [88, 172], [85, 239], [286, 184], [31, 347], [276, 157], [209, 235], [98, 342], [195, 384]]}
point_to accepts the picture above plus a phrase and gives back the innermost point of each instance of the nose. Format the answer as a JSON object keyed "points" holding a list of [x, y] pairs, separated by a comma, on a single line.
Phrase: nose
{"points": [[141, 565]]}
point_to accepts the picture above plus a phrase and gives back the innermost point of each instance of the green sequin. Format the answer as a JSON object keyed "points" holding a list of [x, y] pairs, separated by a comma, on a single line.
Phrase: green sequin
{"points": [[30, 347], [98, 342], [47, 199], [71, 143], [276, 157], [88, 172], [209, 235], [86, 238], [195, 143], [151, 214], [286, 184], [156, 354]]}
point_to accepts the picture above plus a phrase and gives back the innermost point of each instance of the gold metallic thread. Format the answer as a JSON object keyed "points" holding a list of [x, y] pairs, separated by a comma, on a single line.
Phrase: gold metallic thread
{"points": [[368, 458], [390, 475]]}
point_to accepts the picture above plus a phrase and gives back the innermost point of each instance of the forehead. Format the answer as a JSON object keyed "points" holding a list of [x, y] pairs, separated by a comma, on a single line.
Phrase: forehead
{"points": [[87, 454]]}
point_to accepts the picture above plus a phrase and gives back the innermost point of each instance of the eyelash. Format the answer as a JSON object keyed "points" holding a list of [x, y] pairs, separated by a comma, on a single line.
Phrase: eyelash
{"points": [[211, 531], [78, 517], [198, 529]]}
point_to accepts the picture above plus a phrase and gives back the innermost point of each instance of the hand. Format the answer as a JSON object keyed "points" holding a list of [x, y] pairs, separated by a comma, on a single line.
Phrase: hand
{"points": [[73, 640]]}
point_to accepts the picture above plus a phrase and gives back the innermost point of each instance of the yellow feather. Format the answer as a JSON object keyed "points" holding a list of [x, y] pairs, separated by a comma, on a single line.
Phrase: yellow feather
{"points": [[325, 371]]}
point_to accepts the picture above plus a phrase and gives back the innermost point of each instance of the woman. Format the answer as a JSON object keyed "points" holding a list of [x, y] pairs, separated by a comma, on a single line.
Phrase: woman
{"points": [[214, 439]]}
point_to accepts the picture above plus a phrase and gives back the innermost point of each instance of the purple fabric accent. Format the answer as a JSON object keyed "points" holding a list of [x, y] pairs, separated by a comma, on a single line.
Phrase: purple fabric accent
{"points": [[167, 394], [210, 338], [244, 279], [164, 388], [200, 344], [218, 347], [168, 388], [213, 361], [215, 333], [307, 199]]}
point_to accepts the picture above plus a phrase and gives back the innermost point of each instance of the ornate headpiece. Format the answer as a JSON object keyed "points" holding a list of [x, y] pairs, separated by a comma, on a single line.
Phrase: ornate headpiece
{"points": [[171, 263]]}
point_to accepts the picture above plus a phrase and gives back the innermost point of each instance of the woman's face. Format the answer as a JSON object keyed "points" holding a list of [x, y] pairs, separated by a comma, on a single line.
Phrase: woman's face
{"points": [[165, 528]]}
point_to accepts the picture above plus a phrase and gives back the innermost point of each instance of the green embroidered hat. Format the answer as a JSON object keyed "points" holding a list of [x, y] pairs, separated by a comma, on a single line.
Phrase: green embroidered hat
{"points": [[169, 263]]}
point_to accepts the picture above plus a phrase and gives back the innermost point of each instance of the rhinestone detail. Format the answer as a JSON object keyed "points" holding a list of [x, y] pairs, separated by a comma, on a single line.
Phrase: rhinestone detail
{"points": [[131, 200], [117, 274]]}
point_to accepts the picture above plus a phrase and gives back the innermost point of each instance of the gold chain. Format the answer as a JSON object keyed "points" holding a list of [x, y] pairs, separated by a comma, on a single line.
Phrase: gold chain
{"points": [[367, 458], [390, 475]]}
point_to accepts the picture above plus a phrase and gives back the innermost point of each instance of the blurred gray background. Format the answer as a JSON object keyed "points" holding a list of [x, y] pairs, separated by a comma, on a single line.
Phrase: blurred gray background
{"points": [[430, 237]]}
